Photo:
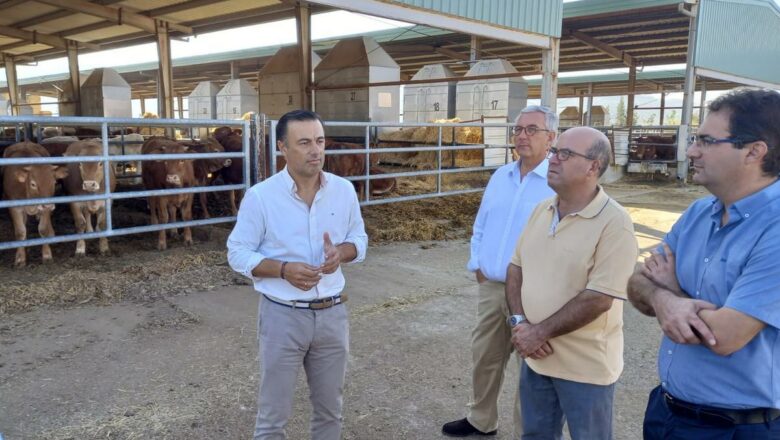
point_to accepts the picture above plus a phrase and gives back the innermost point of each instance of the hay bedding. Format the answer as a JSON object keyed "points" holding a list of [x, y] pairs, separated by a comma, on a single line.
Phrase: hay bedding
{"points": [[428, 136], [136, 271]]}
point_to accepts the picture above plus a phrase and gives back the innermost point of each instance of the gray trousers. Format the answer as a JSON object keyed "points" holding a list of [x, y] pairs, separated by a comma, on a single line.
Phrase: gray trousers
{"points": [[289, 338]]}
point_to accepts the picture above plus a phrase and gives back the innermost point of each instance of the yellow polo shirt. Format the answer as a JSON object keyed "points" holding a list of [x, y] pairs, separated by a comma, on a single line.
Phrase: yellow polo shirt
{"points": [[592, 249]]}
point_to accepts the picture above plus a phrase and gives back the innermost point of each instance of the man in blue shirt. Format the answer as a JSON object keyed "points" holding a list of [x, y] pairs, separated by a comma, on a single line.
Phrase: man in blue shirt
{"points": [[715, 283], [511, 195]]}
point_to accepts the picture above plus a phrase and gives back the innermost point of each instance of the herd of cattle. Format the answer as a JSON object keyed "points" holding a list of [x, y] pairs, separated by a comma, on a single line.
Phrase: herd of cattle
{"points": [[85, 178]]}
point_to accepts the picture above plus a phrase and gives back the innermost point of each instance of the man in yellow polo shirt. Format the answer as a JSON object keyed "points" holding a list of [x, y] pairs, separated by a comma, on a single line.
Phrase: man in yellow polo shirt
{"points": [[565, 288]]}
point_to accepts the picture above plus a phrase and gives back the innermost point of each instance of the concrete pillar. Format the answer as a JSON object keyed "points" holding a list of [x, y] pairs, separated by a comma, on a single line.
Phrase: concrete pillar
{"points": [[631, 90], [73, 88], [703, 101], [13, 84], [663, 108], [550, 74], [165, 71], [475, 51]]}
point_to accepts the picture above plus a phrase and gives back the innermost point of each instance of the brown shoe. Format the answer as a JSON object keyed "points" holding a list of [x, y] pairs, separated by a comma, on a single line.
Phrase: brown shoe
{"points": [[462, 428]]}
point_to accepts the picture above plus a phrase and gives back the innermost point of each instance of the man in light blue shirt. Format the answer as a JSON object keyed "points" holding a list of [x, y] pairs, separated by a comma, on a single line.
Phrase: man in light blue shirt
{"points": [[715, 283], [293, 232], [511, 195]]}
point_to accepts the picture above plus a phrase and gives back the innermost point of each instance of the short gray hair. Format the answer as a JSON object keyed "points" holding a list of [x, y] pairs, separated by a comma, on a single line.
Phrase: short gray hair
{"points": [[550, 117], [601, 151]]}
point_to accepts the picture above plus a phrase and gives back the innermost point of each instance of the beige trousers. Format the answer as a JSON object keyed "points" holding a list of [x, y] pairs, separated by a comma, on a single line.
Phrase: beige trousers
{"points": [[491, 348]]}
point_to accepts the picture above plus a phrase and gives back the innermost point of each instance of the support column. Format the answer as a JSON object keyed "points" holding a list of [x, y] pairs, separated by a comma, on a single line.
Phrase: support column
{"points": [[180, 102], [631, 90], [164, 71], [663, 107], [475, 51], [143, 105], [690, 87], [235, 71], [13, 84], [581, 109], [74, 92], [589, 119], [303, 26], [550, 74], [702, 101]]}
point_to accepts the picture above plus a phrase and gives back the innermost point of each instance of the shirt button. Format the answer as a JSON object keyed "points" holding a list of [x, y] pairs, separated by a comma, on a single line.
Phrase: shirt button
{"points": [[747, 215], [706, 260], [697, 293], [663, 384], [669, 352]]}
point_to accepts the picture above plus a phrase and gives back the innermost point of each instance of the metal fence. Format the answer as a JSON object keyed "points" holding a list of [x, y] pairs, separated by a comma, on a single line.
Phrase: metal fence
{"points": [[249, 160], [370, 147]]}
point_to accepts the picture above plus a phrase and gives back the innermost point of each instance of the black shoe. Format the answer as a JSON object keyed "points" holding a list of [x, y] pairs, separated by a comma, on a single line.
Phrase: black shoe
{"points": [[462, 428]]}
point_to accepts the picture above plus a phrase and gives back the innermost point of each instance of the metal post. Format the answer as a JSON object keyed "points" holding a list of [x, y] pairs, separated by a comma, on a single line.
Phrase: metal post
{"points": [[366, 189], [107, 175], [75, 81], [475, 50], [272, 148], [303, 26], [550, 74], [13, 89], [581, 109], [180, 103], [247, 150], [438, 161], [589, 119], [631, 89], [690, 87], [663, 107], [165, 71], [703, 100]]}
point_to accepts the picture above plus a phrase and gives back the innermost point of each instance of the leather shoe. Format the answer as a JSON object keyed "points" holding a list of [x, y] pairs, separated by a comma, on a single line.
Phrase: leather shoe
{"points": [[462, 428]]}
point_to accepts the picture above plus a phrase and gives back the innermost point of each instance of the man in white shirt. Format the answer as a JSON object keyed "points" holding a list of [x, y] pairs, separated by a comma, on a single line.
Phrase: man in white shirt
{"points": [[510, 197], [284, 240]]}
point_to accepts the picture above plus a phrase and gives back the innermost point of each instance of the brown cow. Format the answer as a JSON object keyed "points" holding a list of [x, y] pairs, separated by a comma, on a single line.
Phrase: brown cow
{"points": [[206, 170], [233, 174], [88, 178], [162, 174], [654, 147], [56, 146], [346, 165], [30, 182]]}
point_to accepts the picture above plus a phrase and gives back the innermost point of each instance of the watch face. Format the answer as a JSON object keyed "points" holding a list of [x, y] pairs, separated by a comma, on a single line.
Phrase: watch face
{"points": [[516, 319]]}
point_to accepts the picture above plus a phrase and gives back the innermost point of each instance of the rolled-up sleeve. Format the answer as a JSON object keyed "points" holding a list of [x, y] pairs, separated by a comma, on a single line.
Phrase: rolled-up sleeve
{"points": [[357, 231], [243, 244]]}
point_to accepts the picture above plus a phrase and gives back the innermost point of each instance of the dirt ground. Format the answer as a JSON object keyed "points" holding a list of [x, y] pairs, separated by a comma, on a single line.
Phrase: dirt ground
{"points": [[145, 344]]}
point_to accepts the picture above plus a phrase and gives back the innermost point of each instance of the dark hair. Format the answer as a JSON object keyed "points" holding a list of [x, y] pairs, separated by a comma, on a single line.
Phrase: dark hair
{"points": [[754, 114], [295, 115], [601, 150]]}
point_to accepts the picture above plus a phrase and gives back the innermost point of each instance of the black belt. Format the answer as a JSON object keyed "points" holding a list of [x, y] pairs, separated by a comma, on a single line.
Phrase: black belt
{"points": [[720, 416], [317, 304]]}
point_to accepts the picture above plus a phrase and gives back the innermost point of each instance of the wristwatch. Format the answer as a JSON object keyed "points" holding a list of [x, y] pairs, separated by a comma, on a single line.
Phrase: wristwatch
{"points": [[513, 320]]}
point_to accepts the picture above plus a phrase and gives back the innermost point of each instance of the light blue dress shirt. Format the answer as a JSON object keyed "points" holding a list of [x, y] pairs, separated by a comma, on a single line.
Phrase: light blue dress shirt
{"points": [[735, 266], [274, 222], [506, 206]]}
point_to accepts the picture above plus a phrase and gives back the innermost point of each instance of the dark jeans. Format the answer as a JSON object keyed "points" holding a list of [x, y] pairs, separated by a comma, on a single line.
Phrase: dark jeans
{"points": [[662, 424]]}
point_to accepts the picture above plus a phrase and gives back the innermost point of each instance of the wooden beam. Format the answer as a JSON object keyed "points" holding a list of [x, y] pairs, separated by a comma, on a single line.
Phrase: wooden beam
{"points": [[603, 47], [115, 15], [37, 37]]}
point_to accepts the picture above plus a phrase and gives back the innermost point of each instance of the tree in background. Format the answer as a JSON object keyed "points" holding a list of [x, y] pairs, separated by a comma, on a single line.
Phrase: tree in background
{"points": [[620, 114]]}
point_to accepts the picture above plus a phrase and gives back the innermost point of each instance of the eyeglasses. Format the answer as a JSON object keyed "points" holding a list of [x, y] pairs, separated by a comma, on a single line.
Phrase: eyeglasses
{"points": [[530, 130], [708, 141], [563, 154]]}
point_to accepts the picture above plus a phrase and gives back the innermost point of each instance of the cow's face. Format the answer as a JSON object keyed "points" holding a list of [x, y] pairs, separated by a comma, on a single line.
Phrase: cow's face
{"points": [[91, 176], [214, 165], [304, 148], [38, 181]]}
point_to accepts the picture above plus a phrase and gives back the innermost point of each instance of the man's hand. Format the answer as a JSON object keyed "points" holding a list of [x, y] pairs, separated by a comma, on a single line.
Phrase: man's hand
{"points": [[528, 341], [332, 256], [301, 275], [679, 318], [481, 278], [660, 269]]}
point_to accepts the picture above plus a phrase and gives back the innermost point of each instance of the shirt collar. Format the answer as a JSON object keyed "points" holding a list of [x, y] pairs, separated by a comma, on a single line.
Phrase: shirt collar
{"points": [[540, 170], [746, 206], [290, 185], [593, 208]]}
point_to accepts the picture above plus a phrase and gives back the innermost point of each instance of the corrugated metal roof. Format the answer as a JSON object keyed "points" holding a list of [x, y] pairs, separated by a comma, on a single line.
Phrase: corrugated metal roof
{"points": [[740, 37], [538, 16]]}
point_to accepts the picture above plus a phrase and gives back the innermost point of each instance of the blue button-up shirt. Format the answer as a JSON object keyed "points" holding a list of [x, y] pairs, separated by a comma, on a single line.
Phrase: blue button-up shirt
{"points": [[506, 206], [735, 266]]}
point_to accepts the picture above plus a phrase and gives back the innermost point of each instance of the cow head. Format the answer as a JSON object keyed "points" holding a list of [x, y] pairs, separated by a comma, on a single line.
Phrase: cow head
{"points": [[176, 169], [37, 181], [91, 173]]}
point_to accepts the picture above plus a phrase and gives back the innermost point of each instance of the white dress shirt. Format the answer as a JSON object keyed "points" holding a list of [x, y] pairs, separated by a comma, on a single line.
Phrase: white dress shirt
{"points": [[274, 222], [506, 206]]}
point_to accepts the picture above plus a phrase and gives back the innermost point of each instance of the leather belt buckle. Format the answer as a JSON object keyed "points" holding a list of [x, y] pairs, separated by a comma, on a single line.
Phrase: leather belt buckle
{"points": [[323, 304]]}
